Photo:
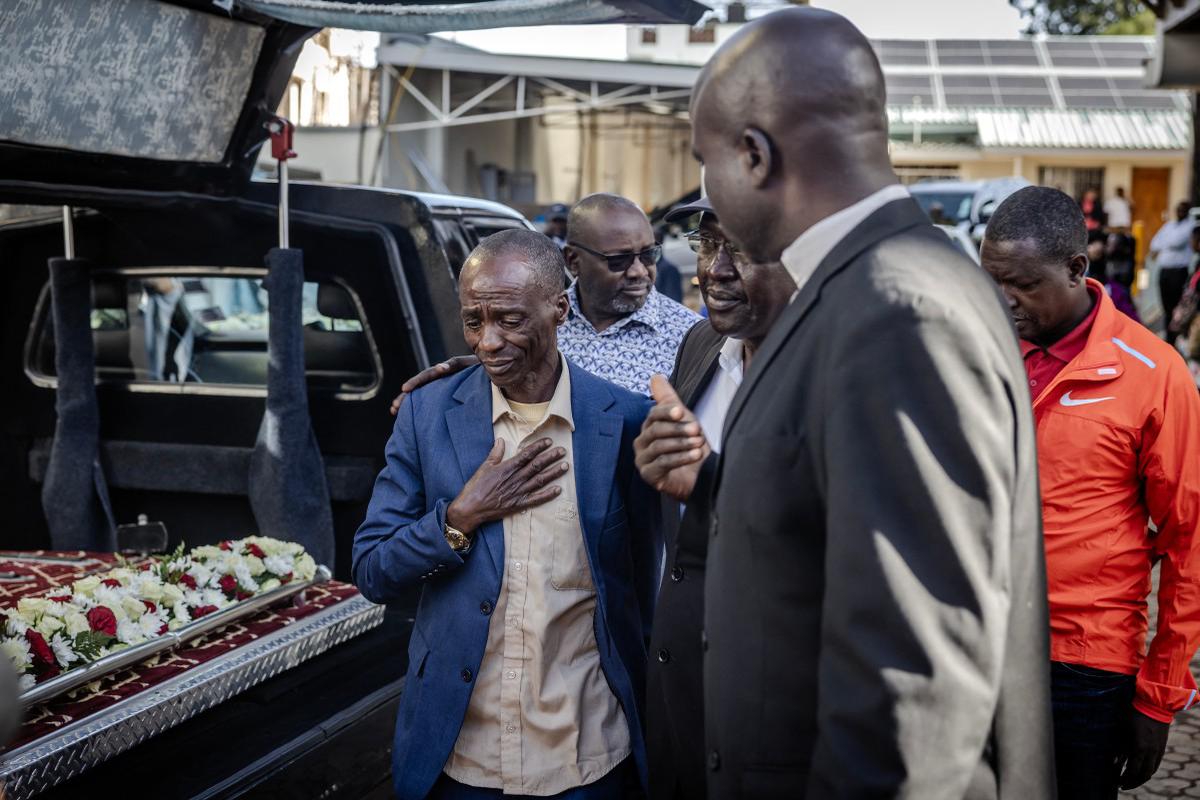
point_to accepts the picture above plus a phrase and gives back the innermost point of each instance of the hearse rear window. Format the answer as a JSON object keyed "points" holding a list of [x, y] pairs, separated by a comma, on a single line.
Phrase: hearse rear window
{"points": [[202, 330]]}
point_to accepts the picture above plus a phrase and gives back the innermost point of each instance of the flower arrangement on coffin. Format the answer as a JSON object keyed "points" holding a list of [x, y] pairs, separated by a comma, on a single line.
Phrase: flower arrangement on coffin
{"points": [[102, 614]]}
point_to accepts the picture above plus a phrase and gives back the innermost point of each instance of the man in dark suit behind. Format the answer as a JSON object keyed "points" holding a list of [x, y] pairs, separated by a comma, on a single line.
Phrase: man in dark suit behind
{"points": [[743, 300], [875, 600]]}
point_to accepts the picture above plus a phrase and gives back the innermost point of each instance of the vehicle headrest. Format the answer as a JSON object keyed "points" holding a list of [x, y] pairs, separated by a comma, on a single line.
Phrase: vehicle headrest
{"points": [[108, 292], [335, 302]]}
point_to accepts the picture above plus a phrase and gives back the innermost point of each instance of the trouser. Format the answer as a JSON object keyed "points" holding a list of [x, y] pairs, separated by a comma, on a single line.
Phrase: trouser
{"points": [[1171, 283], [610, 787], [1091, 709]]}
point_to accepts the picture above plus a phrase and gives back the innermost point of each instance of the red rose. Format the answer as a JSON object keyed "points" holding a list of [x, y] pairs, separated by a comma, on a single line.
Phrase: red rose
{"points": [[255, 550], [147, 566], [187, 580], [103, 620], [200, 611], [228, 584], [61, 598], [150, 606], [163, 629], [42, 653], [286, 578], [225, 546], [243, 595], [112, 582]]}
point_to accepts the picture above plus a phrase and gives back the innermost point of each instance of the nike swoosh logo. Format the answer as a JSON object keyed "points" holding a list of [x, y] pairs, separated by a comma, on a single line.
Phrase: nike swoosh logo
{"points": [[1067, 401]]}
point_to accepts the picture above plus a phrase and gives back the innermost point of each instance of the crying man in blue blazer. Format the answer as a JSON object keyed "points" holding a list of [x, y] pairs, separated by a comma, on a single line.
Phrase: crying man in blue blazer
{"points": [[511, 498]]}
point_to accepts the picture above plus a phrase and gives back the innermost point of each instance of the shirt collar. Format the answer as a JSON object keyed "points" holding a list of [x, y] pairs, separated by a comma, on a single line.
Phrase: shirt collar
{"points": [[1071, 345], [731, 359], [650, 314], [803, 256], [560, 401]]}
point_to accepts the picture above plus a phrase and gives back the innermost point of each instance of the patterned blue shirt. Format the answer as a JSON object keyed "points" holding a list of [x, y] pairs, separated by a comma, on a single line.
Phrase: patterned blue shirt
{"points": [[630, 350]]}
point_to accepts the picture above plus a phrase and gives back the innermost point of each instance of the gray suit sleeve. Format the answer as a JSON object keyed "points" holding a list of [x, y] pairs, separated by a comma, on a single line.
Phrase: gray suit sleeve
{"points": [[917, 448]]}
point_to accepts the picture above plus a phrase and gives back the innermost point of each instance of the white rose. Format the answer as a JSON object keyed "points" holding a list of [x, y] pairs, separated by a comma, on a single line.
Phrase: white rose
{"points": [[76, 624], [150, 589], [86, 585], [32, 607], [133, 607], [273, 583], [17, 651], [306, 568], [206, 552], [171, 594], [255, 565], [48, 626]]}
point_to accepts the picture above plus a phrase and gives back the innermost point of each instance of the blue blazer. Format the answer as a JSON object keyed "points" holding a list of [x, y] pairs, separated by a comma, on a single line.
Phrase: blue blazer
{"points": [[442, 434]]}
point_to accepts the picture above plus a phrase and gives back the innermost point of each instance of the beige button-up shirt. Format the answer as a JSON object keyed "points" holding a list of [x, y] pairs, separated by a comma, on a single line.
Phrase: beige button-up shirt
{"points": [[542, 718]]}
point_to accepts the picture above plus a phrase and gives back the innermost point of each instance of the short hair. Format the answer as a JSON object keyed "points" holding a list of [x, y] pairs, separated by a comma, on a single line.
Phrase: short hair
{"points": [[594, 207], [534, 249], [1049, 218]]}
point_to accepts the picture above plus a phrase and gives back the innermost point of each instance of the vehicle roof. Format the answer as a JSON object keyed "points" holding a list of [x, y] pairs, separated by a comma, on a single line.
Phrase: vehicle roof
{"points": [[435, 202]]}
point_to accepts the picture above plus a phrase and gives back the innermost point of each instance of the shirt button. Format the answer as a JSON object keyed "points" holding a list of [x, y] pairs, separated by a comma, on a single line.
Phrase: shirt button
{"points": [[465, 675], [677, 574], [510, 728], [518, 566], [712, 526], [485, 608], [511, 674], [664, 655], [714, 761], [1033, 383]]}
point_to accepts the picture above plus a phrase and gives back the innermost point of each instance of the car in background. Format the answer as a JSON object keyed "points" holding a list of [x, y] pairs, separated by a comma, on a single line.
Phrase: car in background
{"points": [[966, 205], [961, 240]]}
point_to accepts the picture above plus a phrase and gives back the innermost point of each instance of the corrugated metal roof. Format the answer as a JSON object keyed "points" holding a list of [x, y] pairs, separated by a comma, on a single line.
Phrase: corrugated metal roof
{"points": [[1088, 130]]}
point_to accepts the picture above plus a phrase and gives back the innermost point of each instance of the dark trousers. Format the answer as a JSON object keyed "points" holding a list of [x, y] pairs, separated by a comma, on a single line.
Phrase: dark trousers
{"points": [[1171, 283], [1092, 710], [610, 787]]}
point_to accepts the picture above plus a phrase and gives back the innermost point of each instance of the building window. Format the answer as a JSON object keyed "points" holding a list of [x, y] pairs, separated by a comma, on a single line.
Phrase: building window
{"points": [[1072, 180], [705, 35], [649, 35]]}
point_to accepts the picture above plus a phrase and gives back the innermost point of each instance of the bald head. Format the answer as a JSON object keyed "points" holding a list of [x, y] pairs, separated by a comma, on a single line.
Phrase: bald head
{"points": [[596, 211], [789, 119]]}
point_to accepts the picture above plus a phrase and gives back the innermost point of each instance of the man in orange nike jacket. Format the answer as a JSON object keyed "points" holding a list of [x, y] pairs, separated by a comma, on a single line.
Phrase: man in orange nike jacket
{"points": [[1118, 433]]}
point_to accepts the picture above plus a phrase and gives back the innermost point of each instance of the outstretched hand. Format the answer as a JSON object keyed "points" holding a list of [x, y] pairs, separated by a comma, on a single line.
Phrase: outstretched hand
{"points": [[671, 447], [442, 369]]}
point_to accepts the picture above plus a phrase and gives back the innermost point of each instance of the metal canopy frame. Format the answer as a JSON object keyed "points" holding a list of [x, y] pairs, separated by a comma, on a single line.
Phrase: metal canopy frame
{"points": [[563, 99]]}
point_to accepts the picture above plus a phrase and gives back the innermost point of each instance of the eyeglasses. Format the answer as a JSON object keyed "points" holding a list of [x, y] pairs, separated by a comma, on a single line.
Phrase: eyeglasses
{"points": [[708, 247], [619, 262]]}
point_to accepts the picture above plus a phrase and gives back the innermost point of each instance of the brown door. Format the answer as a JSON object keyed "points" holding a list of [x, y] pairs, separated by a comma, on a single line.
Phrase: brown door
{"points": [[1150, 194]]}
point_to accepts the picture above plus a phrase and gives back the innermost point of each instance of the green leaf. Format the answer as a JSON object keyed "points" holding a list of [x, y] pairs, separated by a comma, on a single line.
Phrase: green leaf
{"points": [[89, 644]]}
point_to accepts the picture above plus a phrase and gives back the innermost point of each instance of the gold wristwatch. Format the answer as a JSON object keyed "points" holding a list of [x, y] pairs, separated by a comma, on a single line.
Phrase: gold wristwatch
{"points": [[458, 541]]}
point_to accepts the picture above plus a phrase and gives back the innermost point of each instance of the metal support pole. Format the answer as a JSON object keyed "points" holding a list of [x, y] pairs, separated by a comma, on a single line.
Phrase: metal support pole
{"points": [[68, 232], [281, 132], [283, 203]]}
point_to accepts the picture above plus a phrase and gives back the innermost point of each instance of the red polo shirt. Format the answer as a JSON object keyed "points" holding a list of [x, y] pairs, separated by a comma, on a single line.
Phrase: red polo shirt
{"points": [[1042, 364]]}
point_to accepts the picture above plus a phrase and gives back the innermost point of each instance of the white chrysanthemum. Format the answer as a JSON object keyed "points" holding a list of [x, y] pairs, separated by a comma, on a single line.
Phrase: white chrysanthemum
{"points": [[213, 597], [180, 613], [244, 578], [151, 624], [193, 598], [56, 609], [14, 623], [113, 598], [200, 574], [17, 651], [77, 623], [64, 654], [129, 632], [180, 565], [83, 601], [279, 565], [26, 682]]}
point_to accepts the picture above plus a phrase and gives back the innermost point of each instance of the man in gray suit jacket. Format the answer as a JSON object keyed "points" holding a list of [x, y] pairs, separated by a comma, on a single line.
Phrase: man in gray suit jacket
{"points": [[875, 601]]}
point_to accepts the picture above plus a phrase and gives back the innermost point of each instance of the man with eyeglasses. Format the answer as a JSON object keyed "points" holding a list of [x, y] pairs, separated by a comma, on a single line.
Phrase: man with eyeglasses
{"points": [[620, 327], [743, 300]]}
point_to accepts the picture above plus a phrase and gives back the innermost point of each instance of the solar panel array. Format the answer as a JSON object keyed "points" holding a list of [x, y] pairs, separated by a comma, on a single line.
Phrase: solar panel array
{"points": [[1057, 73]]}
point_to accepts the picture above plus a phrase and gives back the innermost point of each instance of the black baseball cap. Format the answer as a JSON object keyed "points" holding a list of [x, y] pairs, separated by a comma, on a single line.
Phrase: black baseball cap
{"points": [[681, 212], [557, 211]]}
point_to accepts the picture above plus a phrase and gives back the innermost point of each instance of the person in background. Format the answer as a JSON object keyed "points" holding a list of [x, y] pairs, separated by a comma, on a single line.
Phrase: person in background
{"points": [[1097, 253], [537, 571], [744, 300], [1118, 211], [1093, 213], [669, 282], [1186, 319], [556, 224], [1118, 420], [875, 620], [1171, 250]]}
